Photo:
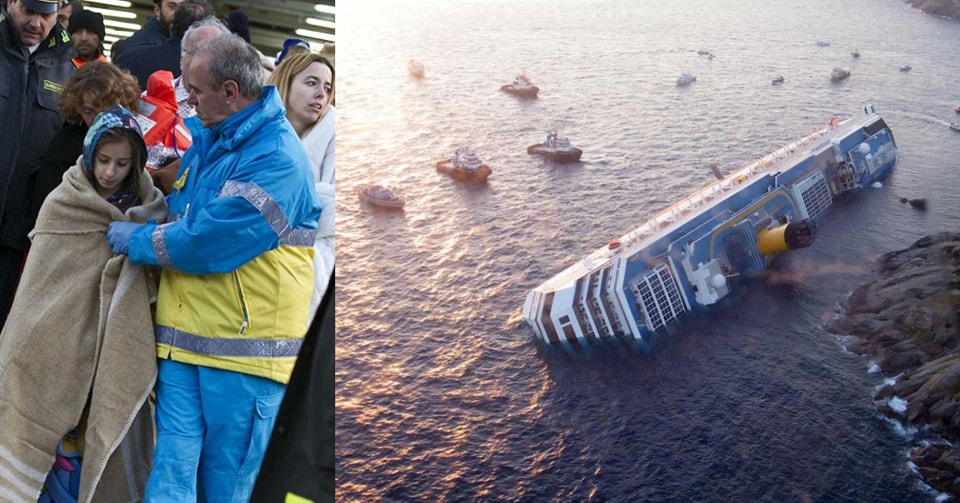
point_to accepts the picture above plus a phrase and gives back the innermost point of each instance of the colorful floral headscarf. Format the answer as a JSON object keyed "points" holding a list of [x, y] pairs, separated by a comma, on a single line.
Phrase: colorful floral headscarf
{"points": [[115, 117]]}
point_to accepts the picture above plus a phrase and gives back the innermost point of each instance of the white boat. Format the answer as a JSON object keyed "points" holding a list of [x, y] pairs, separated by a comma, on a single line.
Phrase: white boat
{"points": [[556, 148], [906, 68], [416, 68], [685, 79], [521, 86], [955, 125], [378, 195], [839, 73], [465, 166]]}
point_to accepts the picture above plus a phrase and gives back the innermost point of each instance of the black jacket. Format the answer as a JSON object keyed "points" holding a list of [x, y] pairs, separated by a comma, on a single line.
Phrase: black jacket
{"points": [[300, 457], [62, 153], [152, 33], [30, 86], [142, 61]]}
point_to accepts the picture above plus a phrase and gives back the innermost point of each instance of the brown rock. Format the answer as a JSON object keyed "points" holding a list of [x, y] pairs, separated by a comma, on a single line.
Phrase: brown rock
{"points": [[897, 362], [907, 320]]}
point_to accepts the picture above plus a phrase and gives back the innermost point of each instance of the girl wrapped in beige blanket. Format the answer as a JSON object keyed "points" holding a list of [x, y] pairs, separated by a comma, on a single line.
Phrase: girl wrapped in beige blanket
{"points": [[80, 332]]}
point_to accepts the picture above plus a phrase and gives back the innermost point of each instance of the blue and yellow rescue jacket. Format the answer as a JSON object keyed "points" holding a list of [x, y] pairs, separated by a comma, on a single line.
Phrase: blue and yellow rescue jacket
{"points": [[237, 247]]}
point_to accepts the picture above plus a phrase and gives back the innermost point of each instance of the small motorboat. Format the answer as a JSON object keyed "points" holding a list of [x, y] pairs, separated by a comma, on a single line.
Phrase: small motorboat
{"points": [[955, 125], [556, 148], [521, 87], [377, 195], [855, 53], [823, 43], [839, 73], [777, 80], [686, 79], [416, 68], [906, 68], [957, 109], [465, 166]]}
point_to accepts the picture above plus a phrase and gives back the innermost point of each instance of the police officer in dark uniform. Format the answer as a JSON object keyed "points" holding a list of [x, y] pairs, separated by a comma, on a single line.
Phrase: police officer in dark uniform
{"points": [[35, 62]]}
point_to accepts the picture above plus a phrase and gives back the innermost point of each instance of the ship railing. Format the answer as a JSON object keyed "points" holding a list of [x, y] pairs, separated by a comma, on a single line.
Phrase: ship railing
{"points": [[711, 192], [717, 188]]}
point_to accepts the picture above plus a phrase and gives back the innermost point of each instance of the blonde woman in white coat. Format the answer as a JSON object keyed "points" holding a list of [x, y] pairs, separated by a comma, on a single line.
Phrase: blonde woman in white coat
{"points": [[306, 84]]}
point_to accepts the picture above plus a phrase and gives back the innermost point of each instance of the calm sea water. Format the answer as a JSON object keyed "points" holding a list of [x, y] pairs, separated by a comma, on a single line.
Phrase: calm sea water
{"points": [[443, 395]]}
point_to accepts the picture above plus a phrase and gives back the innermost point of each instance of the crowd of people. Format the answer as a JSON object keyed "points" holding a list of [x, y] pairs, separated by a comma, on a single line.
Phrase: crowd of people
{"points": [[166, 259]]}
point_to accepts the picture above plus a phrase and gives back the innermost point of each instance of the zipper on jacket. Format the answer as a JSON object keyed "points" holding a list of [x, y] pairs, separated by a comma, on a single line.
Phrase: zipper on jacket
{"points": [[243, 304]]}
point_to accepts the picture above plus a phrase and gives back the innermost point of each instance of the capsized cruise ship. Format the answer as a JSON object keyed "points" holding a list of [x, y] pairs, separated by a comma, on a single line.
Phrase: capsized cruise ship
{"points": [[694, 253]]}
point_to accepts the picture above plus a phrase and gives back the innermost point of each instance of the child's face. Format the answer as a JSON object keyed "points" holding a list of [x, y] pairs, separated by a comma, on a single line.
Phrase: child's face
{"points": [[111, 165]]}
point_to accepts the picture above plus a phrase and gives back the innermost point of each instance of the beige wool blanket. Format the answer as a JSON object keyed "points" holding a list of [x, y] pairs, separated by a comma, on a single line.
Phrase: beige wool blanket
{"points": [[80, 328]]}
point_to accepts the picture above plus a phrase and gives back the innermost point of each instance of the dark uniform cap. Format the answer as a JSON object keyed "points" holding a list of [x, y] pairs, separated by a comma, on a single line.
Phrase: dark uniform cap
{"points": [[42, 6]]}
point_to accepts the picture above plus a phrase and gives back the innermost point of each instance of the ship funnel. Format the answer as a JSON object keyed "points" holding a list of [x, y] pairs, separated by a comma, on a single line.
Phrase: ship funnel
{"points": [[789, 236], [869, 109]]}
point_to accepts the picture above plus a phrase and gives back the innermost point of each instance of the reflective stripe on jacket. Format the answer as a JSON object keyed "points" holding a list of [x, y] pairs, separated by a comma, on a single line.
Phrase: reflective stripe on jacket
{"points": [[237, 247]]}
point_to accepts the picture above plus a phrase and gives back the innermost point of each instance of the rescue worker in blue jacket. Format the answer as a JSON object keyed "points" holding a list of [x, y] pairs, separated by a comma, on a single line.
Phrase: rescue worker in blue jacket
{"points": [[35, 54], [237, 276]]}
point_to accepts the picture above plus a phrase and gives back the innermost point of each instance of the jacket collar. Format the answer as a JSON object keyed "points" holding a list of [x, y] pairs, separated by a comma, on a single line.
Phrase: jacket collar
{"points": [[239, 126], [57, 41]]}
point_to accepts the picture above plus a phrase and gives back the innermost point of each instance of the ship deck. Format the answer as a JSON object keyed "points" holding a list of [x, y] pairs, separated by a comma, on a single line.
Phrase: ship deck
{"points": [[700, 200]]}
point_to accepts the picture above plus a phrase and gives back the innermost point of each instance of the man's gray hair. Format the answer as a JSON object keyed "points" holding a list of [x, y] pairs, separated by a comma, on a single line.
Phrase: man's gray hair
{"points": [[229, 57], [191, 49]]}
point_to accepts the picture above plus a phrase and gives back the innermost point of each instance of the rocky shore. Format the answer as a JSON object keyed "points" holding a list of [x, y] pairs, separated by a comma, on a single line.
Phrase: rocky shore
{"points": [[907, 321], [945, 8]]}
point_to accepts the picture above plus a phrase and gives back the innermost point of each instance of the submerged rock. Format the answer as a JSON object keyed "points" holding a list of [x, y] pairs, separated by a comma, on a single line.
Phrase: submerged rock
{"points": [[920, 204], [907, 320]]}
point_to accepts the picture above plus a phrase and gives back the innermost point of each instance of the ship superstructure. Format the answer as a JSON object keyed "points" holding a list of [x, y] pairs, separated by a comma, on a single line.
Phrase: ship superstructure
{"points": [[694, 253]]}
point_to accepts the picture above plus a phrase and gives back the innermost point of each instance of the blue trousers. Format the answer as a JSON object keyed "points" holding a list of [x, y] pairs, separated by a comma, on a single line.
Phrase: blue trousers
{"points": [[213, 427]]}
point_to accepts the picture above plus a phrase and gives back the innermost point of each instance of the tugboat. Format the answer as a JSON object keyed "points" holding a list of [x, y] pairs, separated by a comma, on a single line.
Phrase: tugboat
{"points": [[521, 87], [416, 69], [777, 80], [839, 73], [377, 195], [556, 148], [685, 79], [465, 166]]}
